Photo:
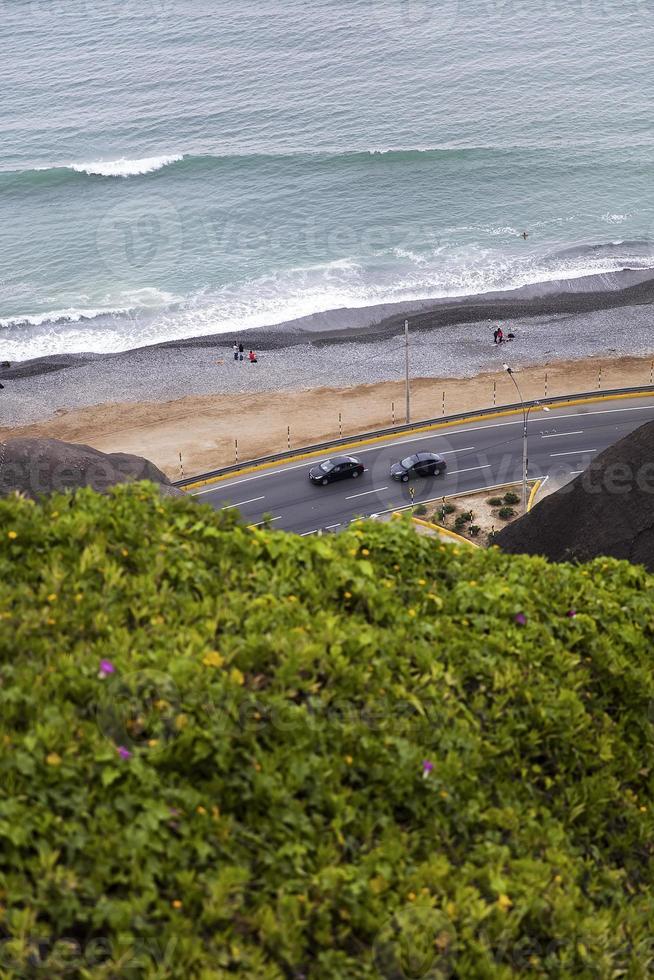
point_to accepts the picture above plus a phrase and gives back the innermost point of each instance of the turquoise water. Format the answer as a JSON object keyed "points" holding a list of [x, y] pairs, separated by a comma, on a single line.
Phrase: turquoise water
{"points": [[171, 168]]}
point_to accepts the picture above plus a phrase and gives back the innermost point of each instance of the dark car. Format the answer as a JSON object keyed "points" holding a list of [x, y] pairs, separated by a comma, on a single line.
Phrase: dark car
{"points": [[420, 464], [336, 468]]}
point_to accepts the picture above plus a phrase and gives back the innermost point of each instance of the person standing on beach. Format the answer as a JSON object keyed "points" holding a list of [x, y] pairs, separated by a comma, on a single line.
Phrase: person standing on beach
{"points": [[235, 349], [240, 352], [500, 335], [495, 333]]}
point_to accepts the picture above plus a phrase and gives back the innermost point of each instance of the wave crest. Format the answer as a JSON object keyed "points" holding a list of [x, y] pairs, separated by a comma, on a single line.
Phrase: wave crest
{"points": [[123, 167]]}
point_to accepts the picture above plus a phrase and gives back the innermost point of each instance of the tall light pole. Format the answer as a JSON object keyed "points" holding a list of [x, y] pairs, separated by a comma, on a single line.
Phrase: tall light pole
{"points": [[406, 371], [525, 420]]}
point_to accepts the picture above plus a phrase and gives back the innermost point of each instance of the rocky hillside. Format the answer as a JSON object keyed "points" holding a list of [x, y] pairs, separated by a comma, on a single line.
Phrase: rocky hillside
{"points": [[606, 510], [35, 467]]}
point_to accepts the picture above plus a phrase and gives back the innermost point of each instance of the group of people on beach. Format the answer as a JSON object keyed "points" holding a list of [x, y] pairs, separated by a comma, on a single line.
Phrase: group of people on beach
{"points": [[499, 338], [239, 354]]}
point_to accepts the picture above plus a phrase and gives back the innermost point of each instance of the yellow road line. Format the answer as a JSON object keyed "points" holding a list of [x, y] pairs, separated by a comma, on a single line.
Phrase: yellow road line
{"points": [[481, 417]]}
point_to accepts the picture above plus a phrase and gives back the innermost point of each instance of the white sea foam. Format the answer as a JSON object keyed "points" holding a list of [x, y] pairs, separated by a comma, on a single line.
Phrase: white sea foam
{"points": [[125, 168]]}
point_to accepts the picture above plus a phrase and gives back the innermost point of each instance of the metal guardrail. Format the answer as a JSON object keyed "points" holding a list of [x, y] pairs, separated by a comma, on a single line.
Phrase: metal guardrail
{"points": [[411, 427]]}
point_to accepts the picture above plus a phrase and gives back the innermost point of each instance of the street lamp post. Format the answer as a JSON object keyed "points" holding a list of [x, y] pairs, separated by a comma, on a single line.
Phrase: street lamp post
{"points": [[407, 386], [525, 419]]}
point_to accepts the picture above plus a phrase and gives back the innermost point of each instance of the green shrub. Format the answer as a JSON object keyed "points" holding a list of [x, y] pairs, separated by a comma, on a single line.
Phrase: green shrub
{"points": [[506, 512], [474, 530], [460, 522], [420, 509], [511, 498], [449, 508], [467, 515], [494, 502], [275, 698]]}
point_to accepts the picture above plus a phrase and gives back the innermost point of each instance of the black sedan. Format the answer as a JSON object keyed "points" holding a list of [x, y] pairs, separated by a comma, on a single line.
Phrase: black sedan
{"points": [[420, 464], [336, 468]]}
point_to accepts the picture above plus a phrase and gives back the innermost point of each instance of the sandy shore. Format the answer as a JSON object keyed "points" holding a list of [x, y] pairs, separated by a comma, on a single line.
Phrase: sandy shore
{"points": [[203, 428]]}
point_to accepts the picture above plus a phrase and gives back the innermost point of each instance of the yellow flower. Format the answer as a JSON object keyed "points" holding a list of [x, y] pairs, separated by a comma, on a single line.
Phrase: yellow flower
{"points": [[55, 513], [52, 597], [642, 809], [201, 810], [11, 535], [152, 742], [124, 552], [176, 904], [412, 612], [349, 760], [364, 551], [51, 622], [422, 581], [181, 721], [79, 597], [411, 896], [504, 902], [53, 759], [443, 794], [213, 659], [348, 595], [236, 676]]}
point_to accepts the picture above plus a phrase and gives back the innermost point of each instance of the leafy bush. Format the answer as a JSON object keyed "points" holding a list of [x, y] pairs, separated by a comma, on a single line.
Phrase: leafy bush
{"points": [[474, 530], [467, 515], [449, 508], [420, 509], [460, 522], [506, 512], [243, 753], [494, 501], [511, 498]]}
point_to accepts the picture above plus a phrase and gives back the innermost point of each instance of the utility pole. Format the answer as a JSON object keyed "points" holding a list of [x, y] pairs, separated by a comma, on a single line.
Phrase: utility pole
{"points": [[406, 371], [525, 420]]}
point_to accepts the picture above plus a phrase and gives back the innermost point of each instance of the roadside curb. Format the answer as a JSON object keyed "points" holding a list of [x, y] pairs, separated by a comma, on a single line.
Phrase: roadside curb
{"points": [[481, 416], [457, 538], [532, 496]]}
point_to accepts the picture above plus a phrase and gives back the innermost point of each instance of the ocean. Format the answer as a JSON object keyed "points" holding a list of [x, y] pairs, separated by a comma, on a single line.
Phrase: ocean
{"points": [[176, 168]]}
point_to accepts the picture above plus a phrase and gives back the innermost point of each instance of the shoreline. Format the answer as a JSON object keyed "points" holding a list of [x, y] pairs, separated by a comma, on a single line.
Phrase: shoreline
{"points": [[576, 296], [203, 428]]}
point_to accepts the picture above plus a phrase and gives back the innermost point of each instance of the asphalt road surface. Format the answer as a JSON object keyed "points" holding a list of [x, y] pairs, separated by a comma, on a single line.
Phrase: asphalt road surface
{"points": [[562, 442]]}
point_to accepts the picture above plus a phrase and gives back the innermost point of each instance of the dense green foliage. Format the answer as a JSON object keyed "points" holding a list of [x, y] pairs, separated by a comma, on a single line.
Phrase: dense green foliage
{"points": [[362, 756]]}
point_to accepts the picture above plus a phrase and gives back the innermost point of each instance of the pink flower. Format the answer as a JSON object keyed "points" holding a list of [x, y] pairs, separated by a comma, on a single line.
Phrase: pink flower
{"points": [[520, 619], [571, 613], [123, 752], [106, 668], [427, 767]]}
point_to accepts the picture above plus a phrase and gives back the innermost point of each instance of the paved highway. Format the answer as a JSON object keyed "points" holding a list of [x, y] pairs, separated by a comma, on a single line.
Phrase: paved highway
{"points": [[562, 442]]}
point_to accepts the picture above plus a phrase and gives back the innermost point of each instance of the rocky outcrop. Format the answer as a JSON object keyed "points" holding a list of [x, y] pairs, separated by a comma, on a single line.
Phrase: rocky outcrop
{"points": [[606, 510], [35, 467]]}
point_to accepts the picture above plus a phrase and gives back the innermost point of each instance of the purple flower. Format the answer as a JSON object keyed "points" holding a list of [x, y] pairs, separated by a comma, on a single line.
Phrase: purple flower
{"points": [[123, 752], [106, 668], [520, 619], [571, 613], [427, 767]]}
